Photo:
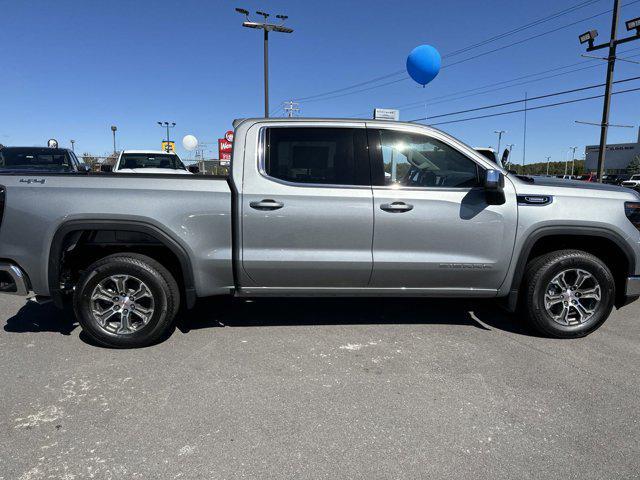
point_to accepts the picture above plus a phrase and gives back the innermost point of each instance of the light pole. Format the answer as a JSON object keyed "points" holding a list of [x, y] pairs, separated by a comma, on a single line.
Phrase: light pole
{"points": [[114, 129], [573, 158], [589, 38], [548, 160], [167, 125], [266, 27], [499, 132], [72, 145]]}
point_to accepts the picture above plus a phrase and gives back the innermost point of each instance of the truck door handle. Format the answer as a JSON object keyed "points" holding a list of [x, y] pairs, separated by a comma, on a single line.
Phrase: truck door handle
{"points": [[396, 207], [266, 204]]}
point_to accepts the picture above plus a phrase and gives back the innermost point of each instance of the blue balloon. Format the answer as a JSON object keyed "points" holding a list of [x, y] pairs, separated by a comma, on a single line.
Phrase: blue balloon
{"points": [[423, 64]]}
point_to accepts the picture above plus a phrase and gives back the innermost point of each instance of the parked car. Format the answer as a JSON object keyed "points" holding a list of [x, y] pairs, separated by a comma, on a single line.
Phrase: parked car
{"points": [[588, 177], [39, 159], [149, 161], [308, 211], [633, 182], [566, 177], [615, 179]]}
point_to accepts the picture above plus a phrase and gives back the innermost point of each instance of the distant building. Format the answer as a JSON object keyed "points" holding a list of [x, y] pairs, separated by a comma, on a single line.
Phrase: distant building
{"points": [[617, 159]]}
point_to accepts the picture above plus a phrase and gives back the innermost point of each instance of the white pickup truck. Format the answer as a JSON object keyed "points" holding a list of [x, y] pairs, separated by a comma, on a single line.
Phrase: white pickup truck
{"points": [[149, 161]]}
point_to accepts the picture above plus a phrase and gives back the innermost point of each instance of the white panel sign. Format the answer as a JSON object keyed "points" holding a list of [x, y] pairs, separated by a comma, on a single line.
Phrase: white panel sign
{"points": [[386, 114]]}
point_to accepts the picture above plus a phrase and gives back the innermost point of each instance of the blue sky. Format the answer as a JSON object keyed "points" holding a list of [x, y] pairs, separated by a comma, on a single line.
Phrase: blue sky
{"points": [[73, 68]]}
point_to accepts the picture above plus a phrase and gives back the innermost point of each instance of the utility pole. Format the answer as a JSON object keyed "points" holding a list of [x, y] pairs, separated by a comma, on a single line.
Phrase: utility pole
{"points": [[291, 108], [167, 125], [589, 37], [266, 27], [499, 132], [114, 129], [548, 160], [524, 136]]}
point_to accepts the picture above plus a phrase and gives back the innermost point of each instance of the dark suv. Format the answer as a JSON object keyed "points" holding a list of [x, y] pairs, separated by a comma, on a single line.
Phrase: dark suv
{"points": [[39, 159]]}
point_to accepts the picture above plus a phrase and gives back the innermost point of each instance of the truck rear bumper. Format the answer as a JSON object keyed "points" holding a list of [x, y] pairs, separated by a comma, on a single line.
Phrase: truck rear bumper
{"points": [[13, 280]]}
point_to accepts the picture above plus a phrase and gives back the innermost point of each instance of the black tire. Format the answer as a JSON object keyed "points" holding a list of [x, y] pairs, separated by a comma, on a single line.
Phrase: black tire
{"points": [[164, 293], [542, 270]]}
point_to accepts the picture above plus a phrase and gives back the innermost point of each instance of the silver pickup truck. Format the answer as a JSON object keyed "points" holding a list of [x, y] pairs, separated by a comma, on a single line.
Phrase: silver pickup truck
{"points": [[320, 207]]}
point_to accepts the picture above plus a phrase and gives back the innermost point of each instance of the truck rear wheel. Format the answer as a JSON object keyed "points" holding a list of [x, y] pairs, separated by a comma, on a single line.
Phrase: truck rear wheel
{"points": [[568, 293], [126, 301]]}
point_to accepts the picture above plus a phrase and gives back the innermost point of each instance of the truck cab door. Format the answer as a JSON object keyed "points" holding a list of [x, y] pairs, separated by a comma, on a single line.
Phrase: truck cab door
{"points": [[306, 207], [435, 231]]}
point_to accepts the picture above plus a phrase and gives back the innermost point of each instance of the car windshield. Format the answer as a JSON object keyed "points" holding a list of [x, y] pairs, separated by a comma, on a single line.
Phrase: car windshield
{"points": [[635, 177], [151, 160], [35, 159]]}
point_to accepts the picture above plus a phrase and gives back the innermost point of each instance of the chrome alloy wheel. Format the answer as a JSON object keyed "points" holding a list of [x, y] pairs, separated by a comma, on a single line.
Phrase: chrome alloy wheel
{"points": [[122, 304], [572, 297]]}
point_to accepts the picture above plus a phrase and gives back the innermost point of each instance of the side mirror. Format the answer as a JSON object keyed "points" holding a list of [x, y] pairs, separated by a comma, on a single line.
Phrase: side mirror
{"points": [[193, 169], [494, 181], [106, 168], [494, 187]]}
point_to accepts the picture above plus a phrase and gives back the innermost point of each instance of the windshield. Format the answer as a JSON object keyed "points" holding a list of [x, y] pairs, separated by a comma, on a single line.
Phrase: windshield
{"points": [[27, 159], [635, 177], [151, 160]]}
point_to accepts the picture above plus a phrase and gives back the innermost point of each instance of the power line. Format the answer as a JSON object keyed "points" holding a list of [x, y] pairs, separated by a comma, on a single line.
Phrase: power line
{"points": [[539, 97], [528, 39], [525, 27], [316, 97], [539, 107], [377, 79], [447, 97]]}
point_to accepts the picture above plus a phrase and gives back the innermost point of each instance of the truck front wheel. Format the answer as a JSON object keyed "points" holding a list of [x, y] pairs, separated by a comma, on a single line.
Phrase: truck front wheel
{"points": [[126, 301], [568, 293]]}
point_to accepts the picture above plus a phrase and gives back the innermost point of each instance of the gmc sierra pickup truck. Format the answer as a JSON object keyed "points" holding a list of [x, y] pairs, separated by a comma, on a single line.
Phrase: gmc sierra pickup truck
{"points": [[320, 207]]}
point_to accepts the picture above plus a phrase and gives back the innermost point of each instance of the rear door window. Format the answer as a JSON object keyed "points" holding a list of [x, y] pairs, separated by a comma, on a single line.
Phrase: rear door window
{"points": [[317, 155]]}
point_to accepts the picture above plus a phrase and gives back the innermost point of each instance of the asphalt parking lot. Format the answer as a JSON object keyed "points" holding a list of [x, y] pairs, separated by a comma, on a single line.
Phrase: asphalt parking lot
{"points": [[320, 389]]}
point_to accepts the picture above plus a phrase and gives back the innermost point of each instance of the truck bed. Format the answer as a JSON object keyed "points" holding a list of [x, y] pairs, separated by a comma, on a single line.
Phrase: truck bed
{"points": [[193, 210]]}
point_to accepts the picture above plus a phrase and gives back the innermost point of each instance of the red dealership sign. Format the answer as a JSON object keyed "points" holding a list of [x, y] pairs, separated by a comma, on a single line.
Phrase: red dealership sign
{"points": [[225, 146]]}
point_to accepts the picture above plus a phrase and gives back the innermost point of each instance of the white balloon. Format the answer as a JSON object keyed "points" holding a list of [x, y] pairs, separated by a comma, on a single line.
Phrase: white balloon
{"points": [[189, 142]]}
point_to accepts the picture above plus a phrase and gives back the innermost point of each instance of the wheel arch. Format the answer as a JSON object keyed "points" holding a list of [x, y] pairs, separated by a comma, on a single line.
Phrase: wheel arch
{"points": [[71, 230], [589, 239]]}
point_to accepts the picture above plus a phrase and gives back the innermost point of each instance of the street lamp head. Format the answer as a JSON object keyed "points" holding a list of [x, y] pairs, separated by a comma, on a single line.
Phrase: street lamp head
{"points": [[252, 25], [113, 128], [160, 123], [263, 14], [282, 17], [173, 124], [282, 29], [588, 37], [633, 24], [242, 11]]}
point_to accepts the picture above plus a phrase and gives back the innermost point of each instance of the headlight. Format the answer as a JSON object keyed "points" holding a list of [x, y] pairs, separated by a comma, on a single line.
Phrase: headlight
{"points": [[632, 209]]}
